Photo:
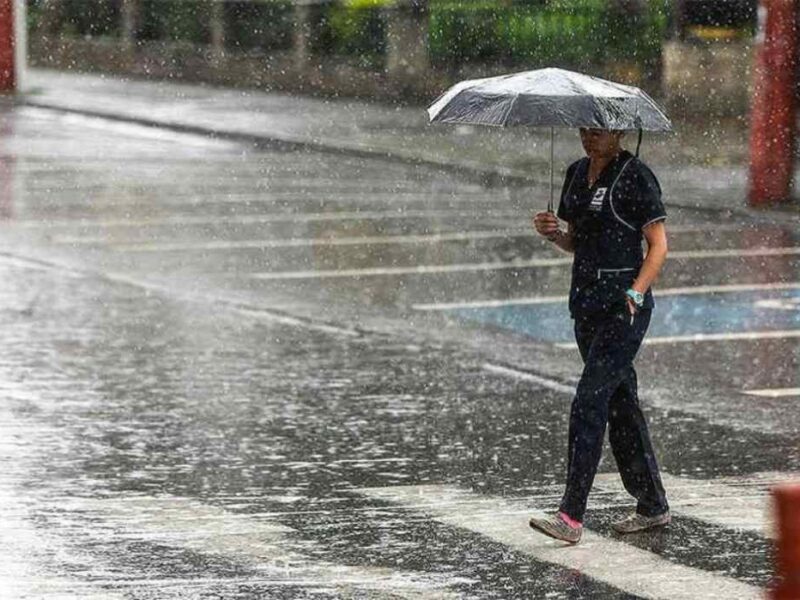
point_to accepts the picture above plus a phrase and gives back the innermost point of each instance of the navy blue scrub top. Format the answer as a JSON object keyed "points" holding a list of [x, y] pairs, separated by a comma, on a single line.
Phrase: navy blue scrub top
{"points": [[608, 219]]}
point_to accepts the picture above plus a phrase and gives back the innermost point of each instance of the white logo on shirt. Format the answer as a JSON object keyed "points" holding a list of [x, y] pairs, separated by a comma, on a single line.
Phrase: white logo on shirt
{"points": [[597, 202]]}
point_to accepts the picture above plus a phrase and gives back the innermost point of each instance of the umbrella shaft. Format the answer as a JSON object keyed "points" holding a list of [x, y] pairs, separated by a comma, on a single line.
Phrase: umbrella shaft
{"points": [[552, 136]]}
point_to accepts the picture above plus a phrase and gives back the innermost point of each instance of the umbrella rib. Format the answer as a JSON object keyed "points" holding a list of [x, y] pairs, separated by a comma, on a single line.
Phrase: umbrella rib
{"points": [[508, 110], [653, 104]]}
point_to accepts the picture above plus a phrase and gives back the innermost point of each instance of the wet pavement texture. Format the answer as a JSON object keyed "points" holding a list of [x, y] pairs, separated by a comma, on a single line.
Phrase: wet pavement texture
{"points": [[703, 163], [238, 373]]}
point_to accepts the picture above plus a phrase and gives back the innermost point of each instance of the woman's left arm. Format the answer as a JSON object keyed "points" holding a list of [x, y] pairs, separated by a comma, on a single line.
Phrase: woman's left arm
{"points": [[656, 236]]}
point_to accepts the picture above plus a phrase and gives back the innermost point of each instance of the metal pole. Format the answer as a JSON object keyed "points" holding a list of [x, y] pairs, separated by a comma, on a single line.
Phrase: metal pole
{"points": [[772, 117], [786, 502], [7, 47]]}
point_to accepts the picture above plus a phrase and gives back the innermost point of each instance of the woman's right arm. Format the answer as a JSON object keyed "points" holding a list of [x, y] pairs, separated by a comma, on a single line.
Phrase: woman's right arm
{"points": [[547, 225]]}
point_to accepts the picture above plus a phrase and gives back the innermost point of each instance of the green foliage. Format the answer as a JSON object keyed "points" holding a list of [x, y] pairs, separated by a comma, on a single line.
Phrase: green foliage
{"points": [[360, 4], [185, 20], [518, 33], [570, 33], [464, 32], [90, 17], [258, 25], [33, 15], [546, 38], [357, 28]]}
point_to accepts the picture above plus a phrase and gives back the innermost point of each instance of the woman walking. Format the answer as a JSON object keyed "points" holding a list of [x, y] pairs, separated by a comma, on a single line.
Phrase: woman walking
{"points": [[610, 201]]}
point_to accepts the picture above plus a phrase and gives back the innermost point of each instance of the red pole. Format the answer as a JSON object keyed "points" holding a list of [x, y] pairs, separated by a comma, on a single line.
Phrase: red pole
{"points": [[773, 111], [7, 46], [787, 524]]}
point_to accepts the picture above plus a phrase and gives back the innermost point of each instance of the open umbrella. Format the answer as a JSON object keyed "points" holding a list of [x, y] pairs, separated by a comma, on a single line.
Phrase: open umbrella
{"points": [[550, 98]]}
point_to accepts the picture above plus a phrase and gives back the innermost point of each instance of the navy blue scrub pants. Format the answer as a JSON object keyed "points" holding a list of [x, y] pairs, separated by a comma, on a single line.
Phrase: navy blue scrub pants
{"points": [[607, 393]]}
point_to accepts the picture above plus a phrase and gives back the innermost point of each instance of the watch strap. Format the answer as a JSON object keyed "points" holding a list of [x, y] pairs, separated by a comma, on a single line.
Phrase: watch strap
{"points": [[637, 297]]}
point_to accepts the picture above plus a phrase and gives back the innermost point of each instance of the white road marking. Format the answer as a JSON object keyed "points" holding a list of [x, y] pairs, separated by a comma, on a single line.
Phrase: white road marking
{"points": [[792, 304], [676, 291], [11, 261], [492, 303], [253, 311], [359, 215], [718, 337], [542, 381], [735, 252], [773, 392], [497, 266], [413, 270], [222, 195], [27, 551], [711, 227], [188, 523], [32, 554], [607, 560], [127, 129], [728, 288], [709, 337], [296, 242], [431, 238], [265, 314], [742, 507], [558, 386]]}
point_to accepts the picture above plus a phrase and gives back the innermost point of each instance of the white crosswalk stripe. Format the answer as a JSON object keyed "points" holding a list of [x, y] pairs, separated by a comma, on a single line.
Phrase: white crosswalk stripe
{"points": [[738, 504], [613, 562], [774, 392], [247, 538]]}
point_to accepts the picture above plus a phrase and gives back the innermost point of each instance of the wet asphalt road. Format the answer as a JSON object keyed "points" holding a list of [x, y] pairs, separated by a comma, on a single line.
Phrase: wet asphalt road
{"points": [[214, 388]]}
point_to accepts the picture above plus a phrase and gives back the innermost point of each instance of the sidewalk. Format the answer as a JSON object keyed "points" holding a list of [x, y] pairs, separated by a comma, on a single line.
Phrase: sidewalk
{"points": [[701, 165]]}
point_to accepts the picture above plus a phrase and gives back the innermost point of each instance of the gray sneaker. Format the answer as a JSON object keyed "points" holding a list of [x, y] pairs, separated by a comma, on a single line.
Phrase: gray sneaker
{"points": [[636, 522], [557, 528]]}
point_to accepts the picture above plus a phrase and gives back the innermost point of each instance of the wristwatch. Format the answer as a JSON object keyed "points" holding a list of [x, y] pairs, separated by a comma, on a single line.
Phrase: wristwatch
{"points": [[637, 297]]}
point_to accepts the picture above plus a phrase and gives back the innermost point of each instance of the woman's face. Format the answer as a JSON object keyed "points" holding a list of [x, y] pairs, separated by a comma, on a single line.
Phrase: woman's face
{"points": [[599, 143]]}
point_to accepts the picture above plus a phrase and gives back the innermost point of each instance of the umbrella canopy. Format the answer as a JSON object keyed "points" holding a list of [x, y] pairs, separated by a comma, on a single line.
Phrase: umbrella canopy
{"points": [[550, 98]]}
